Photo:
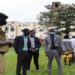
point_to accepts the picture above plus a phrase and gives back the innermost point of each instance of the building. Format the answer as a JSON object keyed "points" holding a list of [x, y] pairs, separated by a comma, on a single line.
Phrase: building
{"points": [[14, 28]]}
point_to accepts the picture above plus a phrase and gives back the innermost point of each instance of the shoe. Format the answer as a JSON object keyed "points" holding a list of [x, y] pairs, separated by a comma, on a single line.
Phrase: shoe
{"points": [[37, 70], [28, 72], [69, 64], [49, 72]]}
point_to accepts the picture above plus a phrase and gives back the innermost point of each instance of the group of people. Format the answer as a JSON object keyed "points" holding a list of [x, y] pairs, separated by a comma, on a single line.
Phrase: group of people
{"points": [[26, 46]]}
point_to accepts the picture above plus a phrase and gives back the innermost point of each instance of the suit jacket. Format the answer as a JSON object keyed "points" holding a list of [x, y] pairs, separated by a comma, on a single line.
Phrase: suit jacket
{"points": [[57, 40], [36, 41], [19, 44]]}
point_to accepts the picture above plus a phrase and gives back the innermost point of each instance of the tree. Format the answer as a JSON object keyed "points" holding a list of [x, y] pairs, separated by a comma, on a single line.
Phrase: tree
{"points": [[62, 18], [45, 17], [67, 15]]}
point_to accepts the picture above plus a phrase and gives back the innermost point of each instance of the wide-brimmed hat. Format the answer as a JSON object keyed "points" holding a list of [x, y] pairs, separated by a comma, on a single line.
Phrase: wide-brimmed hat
{"points": [[3, 18], [25, 30]]}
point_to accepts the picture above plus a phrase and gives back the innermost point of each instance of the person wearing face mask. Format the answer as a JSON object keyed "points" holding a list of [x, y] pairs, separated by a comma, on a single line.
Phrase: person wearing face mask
{"points": [[34, 45], [52, 44], [21, 48]]}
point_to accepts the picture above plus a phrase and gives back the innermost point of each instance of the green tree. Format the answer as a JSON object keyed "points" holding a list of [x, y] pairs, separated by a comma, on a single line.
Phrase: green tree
{"points": [[67, 16], [45, 18], [62, 18]]}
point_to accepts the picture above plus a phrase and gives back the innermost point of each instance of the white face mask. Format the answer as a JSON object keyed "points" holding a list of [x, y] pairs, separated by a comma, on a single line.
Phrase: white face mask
{"points": [[52, 32]]}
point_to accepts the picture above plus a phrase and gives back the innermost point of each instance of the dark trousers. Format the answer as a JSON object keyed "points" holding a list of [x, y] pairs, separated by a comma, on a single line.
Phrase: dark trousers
{"points": [[35, 57], [22, 63]]}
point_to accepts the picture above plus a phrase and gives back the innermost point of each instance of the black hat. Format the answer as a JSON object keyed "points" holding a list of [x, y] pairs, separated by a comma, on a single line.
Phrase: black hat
{"points": [[32, 31], [3, 18], [25, 30]]}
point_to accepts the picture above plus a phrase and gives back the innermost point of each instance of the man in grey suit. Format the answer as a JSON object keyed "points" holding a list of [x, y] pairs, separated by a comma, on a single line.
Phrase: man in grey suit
{"points": [[52, 44]]}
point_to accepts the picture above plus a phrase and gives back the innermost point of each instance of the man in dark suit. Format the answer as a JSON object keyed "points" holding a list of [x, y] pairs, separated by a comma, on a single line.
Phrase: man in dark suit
{"points": [[21, 48], [34, 45]]}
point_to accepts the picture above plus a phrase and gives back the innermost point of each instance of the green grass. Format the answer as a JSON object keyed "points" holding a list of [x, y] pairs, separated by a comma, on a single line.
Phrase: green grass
{"points": [[11, 65]]}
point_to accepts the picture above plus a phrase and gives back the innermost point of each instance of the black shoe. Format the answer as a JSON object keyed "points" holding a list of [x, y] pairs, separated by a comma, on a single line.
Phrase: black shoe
{"points": [[69, 64]]}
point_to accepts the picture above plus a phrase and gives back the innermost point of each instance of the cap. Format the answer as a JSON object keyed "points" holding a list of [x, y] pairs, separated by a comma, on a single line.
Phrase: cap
{"points": [[3, 18]]}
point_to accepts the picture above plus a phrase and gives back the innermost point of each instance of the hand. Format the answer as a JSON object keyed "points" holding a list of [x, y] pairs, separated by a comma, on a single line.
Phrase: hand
{"points": [[37, 48], [10, 43], [33, 50]]}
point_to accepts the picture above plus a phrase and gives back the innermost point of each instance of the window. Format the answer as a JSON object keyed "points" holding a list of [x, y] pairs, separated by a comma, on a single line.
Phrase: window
{"points": [[56, 5], [6, 29], [40, 30], [12, 28]]}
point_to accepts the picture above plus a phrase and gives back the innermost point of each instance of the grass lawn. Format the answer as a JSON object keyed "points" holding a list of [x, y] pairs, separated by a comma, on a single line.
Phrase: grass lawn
{"points": [[11, 65]]}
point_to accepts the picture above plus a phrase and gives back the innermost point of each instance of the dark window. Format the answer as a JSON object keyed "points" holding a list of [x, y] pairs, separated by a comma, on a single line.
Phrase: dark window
{"points": [[40, 30], [6, 29], [12, 28], [20, 25], [56, 5]]}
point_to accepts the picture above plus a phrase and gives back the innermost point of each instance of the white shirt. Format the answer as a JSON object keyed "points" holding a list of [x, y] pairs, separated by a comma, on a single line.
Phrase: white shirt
{"points": [[73, 43], [25, 44], [32, 40], [68, 44]]}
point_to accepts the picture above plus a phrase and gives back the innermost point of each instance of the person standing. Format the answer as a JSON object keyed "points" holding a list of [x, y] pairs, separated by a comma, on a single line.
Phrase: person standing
{"points": [[68, 54], [4, 48], [21, 48], [4, 43], [53, 43], [34, 46]]}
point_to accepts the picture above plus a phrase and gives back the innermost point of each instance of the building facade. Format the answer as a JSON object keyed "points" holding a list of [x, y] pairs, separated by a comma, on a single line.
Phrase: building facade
{"points": [[13, 29]]}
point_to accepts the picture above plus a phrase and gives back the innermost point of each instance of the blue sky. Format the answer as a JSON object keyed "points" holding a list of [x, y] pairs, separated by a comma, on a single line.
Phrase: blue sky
{"points": [[25, 10]]}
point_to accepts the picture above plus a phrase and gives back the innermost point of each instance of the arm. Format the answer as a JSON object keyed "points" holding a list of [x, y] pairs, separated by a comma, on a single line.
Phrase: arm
{"points": [[70, 45], [6, 42], [16, 42], [46, 45], [39, 43], [61, 44]]}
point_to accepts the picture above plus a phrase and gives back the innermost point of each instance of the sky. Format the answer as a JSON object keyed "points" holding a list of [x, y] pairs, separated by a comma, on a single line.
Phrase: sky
{"points": [[26, 10]]}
